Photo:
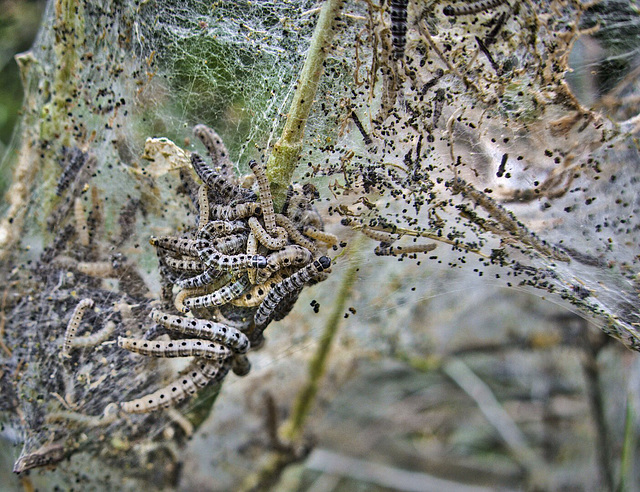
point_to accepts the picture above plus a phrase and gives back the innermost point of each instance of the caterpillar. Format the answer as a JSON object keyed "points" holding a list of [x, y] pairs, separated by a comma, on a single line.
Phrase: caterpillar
{"points": [[46, 455], [203, 206], [287, 286], [471, 8], [185, 294], [212, 257], [184, 265], [275, 240], [377, 235], [292, 255], [319, 235], [257, 293], [82, 228], [202, 328], [95, 338], [219, 297], [76, 159], [266, 201], [252, 250], [196, 376], [295, 236], [207, 277], [234, 212], [215, 147], [401, 250], [219, 184], [186, 347], [178, 245], [74, 323], [230, 244], [398, 27], [218, 228], [276, 313]]}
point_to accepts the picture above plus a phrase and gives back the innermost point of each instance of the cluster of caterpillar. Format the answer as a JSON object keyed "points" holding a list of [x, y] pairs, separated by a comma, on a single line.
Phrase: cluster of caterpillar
{"points": [[241, 268]]}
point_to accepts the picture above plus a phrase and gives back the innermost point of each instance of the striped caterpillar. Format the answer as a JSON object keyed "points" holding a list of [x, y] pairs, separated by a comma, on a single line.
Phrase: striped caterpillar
{"points": [[203, 206], [207, 277], [234, 212], [265, 196], [196, 376], [212, 257], [219, 297], [187, 347], [74, 323], [219, 228], [218, 183], [202, 328], [230, 244], [398, 27], [471, 8], [75, 159], [288, 286]]}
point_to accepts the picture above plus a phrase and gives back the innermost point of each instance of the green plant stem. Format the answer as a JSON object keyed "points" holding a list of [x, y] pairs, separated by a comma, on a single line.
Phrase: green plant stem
{"points": [[286, 151], [292, 429]]}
